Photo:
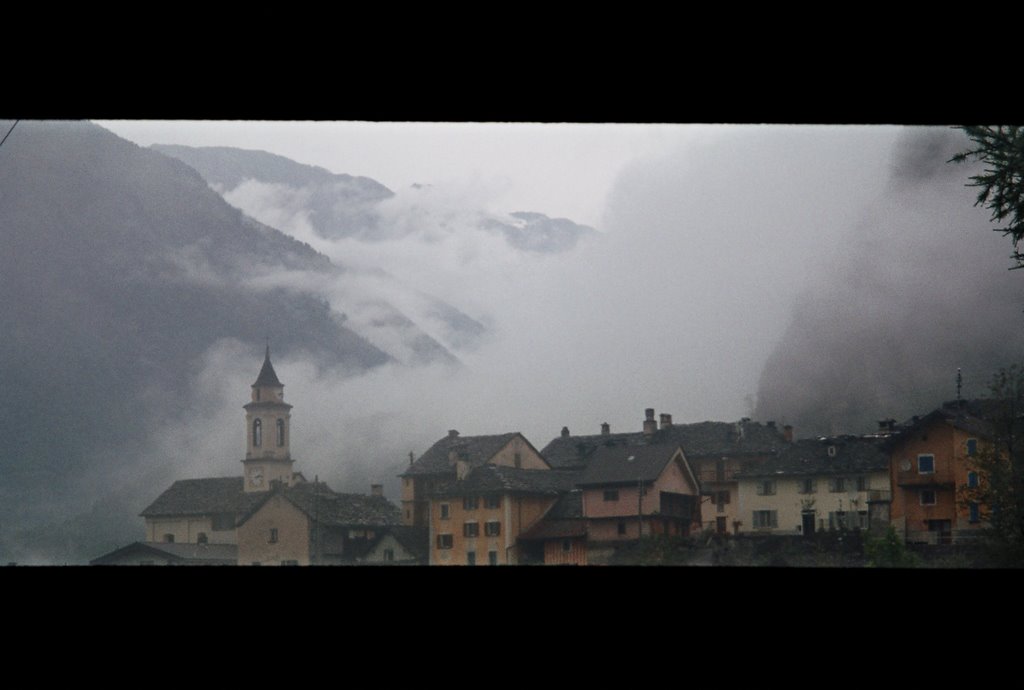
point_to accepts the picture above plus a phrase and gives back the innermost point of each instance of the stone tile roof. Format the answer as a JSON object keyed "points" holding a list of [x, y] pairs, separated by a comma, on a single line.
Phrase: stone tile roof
{"points": [[186, 554], [701, 439], [203, 497], [804, 457], [476, 449], [626, 464], [499, 479], [333, 509]]}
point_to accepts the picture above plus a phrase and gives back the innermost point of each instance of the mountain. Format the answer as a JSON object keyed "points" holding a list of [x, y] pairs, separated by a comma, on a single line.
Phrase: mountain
{"points": [[919, 291], [338, 205], [121, 268]]}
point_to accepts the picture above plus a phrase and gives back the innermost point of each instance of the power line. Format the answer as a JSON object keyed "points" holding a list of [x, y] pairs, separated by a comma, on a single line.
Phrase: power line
{"points": [[9, 132]]}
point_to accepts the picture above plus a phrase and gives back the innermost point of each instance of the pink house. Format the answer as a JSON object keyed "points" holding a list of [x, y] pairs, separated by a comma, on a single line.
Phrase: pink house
{"points": [[633, 491]]}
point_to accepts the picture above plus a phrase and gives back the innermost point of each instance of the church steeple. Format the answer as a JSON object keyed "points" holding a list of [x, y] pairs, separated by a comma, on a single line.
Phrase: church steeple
{"points": [[268, 436]]}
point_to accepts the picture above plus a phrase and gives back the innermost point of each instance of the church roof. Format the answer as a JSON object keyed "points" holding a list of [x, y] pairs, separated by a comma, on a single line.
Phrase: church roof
{"points": [[267, 377], [203, 497]]}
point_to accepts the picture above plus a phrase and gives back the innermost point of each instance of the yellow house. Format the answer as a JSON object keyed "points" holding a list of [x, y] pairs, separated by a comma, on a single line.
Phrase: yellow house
{"points": [[309, 524], [817, 484]]}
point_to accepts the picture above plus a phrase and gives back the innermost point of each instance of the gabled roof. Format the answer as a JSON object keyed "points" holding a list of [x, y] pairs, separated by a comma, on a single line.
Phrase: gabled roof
{"points": [[973, 416], [627, 464], [808, 457], [415, 540], [564, 519], [723, 438], [331, 509], [701, 439], [499, 479], [186, 554], [267, 377], [477, 450], [203, 497]]}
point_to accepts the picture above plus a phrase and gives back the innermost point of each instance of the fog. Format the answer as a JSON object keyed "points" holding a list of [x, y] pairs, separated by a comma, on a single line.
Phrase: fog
{"points": [[704, 249]]}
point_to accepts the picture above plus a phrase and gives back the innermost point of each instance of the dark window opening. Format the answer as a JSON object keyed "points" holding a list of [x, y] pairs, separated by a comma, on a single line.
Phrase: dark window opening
{"points": [[273, 535], [201, 538], [611, 495], [280, 433], [257, 433]]}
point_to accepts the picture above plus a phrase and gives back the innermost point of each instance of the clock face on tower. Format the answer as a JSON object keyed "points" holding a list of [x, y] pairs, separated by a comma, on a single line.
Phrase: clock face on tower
{"points": [[256, 477]]}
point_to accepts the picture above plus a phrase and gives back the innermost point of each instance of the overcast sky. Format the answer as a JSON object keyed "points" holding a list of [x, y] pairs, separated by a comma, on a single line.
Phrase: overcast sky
{"points": [[562, 170]]}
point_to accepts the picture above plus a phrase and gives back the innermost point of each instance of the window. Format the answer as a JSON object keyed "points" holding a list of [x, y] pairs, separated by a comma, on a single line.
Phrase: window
{"points": [[927, 497], [975, 512], [925, 464], [492, 558], [256, 563], [470, 503], [492, 528], [566, 545], [223, 521], [280, 433], [471, 558], [837, 485], [972, 479], [289, 562], [863, 483], [972, 447], [611, 494], [492, 502], [765, 519], [831, 451], [766, 488], [408, 514], [257, 433], [806, 486], [389, 554], [518, 459], [168, 538], [201, 538], [444, 541], [622, 527], [471, 529], [273, 535], [445, 511]]}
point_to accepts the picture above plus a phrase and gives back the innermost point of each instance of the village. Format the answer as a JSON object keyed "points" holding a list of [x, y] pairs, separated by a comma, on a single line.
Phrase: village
{"points": [[581, 499]]}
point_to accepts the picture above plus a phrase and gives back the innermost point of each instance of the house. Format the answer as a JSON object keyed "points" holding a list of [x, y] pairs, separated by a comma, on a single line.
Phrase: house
{"points": [[398, 545], [930, 467], [811, 485], [715, 451], [270, 514], [309, 524], [454, 454], [636, 491]]}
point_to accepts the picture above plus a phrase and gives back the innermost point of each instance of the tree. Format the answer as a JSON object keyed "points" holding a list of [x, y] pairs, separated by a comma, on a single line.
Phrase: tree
{"points": [[994, 494], [1001, 184]]}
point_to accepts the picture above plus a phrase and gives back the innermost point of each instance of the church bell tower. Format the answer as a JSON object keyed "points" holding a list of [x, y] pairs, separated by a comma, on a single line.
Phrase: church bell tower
{"points": [[268, 456]]}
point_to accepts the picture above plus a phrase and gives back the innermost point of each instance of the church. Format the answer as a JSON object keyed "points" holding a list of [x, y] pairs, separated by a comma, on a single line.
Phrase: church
{"points": [[271, 515]]}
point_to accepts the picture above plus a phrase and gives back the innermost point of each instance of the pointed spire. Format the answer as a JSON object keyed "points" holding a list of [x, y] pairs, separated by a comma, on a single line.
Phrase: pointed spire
{"points": [[267, 377]]}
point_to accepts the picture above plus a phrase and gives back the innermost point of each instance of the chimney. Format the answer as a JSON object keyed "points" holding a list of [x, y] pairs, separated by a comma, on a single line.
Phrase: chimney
{"points": [[605, 429], [452, 433], [787, 433], [565, 432], [666, 420], [376, 489], [410, 458], [650, 426]]}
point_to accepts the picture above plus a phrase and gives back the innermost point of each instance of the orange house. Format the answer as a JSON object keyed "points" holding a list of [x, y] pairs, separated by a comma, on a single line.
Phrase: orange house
{"points": [[929, 466]]}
